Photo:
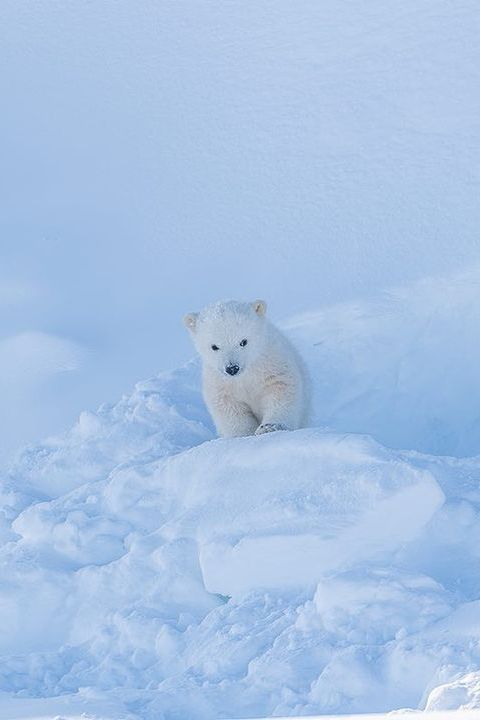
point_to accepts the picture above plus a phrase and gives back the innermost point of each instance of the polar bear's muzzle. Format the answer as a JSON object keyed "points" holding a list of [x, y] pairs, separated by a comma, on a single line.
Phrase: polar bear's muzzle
{"points": [[232, 369]]}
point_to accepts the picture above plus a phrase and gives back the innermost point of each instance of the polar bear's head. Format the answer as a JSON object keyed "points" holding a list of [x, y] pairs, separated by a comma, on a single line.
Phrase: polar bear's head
{"points": [[229, 335]]}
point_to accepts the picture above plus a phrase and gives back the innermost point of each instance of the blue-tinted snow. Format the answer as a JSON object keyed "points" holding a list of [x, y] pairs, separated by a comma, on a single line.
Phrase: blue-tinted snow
{"points": [[159, 155], [150, 567]]}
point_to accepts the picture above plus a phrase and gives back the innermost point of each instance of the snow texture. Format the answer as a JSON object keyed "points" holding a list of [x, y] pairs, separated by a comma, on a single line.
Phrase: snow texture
{"points": [[150, 571], [158, 156]]}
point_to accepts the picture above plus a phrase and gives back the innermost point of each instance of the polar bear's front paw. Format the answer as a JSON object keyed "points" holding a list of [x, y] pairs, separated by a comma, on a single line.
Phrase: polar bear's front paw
{"points": [[269, 427]]}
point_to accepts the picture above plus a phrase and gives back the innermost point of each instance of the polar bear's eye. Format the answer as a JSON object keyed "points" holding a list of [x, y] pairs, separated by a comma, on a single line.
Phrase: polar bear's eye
{"points": [[215, 347], [243, 343]]}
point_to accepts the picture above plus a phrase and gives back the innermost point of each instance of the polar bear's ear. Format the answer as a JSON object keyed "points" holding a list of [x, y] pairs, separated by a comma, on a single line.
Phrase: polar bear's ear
{"points": [[260, 307], [190, 321]]}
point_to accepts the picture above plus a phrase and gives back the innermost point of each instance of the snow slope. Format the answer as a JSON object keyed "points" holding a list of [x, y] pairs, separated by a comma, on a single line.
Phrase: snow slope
{"points": [[402, 366], [150, 571]]}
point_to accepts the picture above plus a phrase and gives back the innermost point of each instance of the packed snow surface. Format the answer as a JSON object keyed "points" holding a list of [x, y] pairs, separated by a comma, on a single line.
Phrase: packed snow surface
{"points": [[150, 571]]}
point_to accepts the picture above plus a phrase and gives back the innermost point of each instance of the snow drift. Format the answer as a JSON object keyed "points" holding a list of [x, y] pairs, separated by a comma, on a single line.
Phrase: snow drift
{"points": [[151, 571]]}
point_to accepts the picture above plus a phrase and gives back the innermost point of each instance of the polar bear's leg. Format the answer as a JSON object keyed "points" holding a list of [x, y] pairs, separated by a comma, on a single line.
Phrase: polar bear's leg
{"points": [[236, 424], [232, 418], [281, 409]]}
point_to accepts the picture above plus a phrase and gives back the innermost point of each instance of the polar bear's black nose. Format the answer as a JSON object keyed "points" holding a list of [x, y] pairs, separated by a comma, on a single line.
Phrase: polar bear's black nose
{"points": [[232, 369]]}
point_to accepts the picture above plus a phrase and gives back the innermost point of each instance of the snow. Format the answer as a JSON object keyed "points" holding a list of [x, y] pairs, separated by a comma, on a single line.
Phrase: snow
{"points": [[463, 693], [401, 365], [351, 502], [158, 156], [155, 158], [151, 571]]}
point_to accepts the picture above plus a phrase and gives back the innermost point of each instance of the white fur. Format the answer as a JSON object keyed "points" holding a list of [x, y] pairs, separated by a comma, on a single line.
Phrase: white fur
{"points": [[270, 390]]}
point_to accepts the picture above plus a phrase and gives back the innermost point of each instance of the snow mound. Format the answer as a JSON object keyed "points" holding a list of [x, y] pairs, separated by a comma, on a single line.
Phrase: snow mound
{"points": [[152, 572], [402, 366], [463, 694], [162, 416], [298, 506]]}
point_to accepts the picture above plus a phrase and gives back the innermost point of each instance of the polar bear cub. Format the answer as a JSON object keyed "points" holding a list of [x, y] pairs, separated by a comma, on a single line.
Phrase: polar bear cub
{"points": [[254, 381]]}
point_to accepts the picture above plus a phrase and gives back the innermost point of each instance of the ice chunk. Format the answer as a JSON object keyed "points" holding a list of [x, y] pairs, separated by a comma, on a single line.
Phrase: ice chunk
{"points": [[281, 511]]}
